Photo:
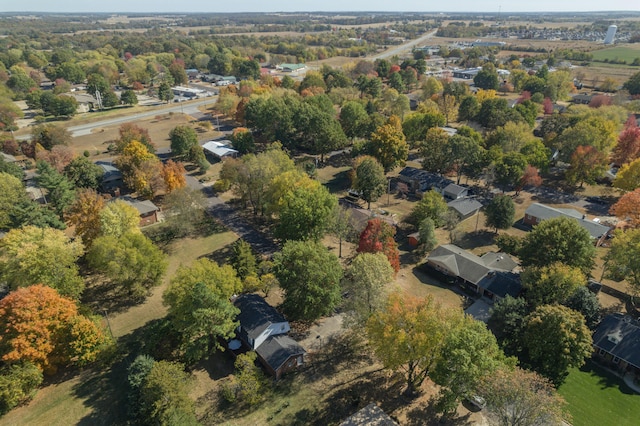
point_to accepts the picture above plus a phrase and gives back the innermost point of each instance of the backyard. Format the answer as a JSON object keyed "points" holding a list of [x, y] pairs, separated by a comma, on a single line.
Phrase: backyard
{"points": [[597, 397]]}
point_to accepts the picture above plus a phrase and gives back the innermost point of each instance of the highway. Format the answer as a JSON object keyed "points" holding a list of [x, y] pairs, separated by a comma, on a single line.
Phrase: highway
{"points": [[396, 50]]}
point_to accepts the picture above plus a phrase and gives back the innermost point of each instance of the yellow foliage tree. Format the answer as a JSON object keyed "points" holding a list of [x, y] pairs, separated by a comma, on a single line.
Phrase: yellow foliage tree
{"points": [[628, 177], [84, 214], [119, 218], [173, 175]]}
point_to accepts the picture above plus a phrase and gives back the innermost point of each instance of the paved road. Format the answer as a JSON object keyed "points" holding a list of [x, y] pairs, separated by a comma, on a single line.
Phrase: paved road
{"points": [[221, 211], [403, 47]]}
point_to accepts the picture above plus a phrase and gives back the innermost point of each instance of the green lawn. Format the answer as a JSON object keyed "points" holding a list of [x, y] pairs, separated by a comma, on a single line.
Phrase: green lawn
{"points": [[597, 397], [622, 52]]}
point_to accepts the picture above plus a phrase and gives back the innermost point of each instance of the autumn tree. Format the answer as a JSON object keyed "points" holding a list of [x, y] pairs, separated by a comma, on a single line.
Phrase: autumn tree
{"points": [[628, 176], [433, 206], [129, 132], [50, 135], [378, 237], [58, 158], [369, 179], [530, 177], [628, 147], [388, 144], [521, 397], [173, 174], [118, 218], [549, 284], [46, 329], [408, 336], [587, 165], [448, 106], [319, 292], [84, 215], [500, 212], [182, 138], [131, 262], [366, 280], [184, 210], [628, 208], [248, 384], [559, 239], [621, 262], [556, 339], [242, 140], [32, 255]]}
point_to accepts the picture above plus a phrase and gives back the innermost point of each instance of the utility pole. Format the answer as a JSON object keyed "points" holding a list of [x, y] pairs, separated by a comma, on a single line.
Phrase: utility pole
{"points": [[108, 323]]}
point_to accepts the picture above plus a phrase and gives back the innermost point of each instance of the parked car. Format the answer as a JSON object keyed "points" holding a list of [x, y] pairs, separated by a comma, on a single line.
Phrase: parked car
{"points": [[477, 401], [597, 200]]}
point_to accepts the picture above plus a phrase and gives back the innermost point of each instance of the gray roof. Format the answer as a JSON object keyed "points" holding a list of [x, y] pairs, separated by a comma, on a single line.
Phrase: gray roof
{"points": [[619, 335], [427, 180], [276, 350], [8, 158], [452, 188], [220, 148], [256, 314], [111, 172], [464, 264], [371, 415], [465, 206], [143, 206], [499, 261], [542, 212], [502, 283]]}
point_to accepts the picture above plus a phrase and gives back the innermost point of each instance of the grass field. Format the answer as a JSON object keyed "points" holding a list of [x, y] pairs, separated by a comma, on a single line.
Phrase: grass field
{"points": [[627, 52], [597, 397]]}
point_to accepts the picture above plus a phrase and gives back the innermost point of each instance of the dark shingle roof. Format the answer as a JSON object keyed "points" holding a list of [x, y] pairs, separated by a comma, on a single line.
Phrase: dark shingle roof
{"points": [[426, 179], [465, 206], [143, 206], [371, 415], [111, 172], [620, 336], [276, 350], [466, 265], [542, 212], [256, 314], [502, 284]]}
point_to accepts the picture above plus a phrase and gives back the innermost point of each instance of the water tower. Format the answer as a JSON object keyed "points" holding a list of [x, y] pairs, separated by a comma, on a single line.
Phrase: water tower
{"points": [[611, 33]]}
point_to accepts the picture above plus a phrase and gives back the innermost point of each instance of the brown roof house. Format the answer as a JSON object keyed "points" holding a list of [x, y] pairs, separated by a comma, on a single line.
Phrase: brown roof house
{"points": [[147, 210], [264, 330], [490, 275]]}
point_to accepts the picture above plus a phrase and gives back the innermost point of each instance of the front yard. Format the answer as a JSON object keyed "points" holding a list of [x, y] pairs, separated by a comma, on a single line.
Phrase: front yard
{"points": [[597, 397]]}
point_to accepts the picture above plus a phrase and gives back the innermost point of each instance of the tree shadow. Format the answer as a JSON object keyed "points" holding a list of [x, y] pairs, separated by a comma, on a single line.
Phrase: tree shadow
{"points": [[606, 379], [102, 295], [339, 182], [476, 239], [222, 256], [428, 415]]}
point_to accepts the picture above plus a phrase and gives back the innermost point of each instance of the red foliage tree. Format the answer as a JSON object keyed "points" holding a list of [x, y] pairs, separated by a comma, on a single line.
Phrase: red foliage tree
{"points": [[547, 106], [394, 68], [628, 208], [600, 100], [378, 237], [524, 96], [529, 178], [628, 147]]}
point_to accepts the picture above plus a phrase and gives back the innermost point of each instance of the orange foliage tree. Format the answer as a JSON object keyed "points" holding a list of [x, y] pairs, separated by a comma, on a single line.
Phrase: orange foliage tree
{"points": [[173, 175], [141, 169], [587, 164], [628, 207], [131, 132], [378, 237], [42, 327]]}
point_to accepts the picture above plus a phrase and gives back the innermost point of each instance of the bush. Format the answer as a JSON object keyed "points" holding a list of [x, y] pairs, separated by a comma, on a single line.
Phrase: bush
{"points": [[18, 383], [222, 185]]}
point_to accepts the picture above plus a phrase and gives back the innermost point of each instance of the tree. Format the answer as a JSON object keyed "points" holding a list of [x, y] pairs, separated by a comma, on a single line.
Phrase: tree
{"points": [[549, 284], [559, 239], [141, 169], [466, 154], [131, 262], [28, 212], [82, 173], [12, 192], [510, 169], [58, 158], [50, 135], [176, 69], [388, 144], [628, 177], [84, 215], [487, 79], [408, 335], [165, 93], [597, 131], [137, 372], [173, 175], [32, 255], [556, 339], [628, 208], [18, 384], [243, 260], [507, 321], [427, 235], [430, 87], [433, 206], [354, 120], [622, 259], [164, 396], [633, 84], [586, 302], [306, 212], [416, 125], [470, 352], [182, 138], [342, 226], [628, 147], [118, 218], [242, 140], [500, 212], [129, 132], [319, 292], [41, 327], [248, 384], [436, 151], [366, 279], [511, 137], [128, 97], [184, 210], [587, 165], [59, 190], [468, 109], [369, 179], [521, 397], [378, 236]]}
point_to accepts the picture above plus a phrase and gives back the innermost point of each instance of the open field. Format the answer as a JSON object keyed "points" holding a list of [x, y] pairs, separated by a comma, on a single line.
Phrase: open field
{"points": [[597, 397], [627, 52]]}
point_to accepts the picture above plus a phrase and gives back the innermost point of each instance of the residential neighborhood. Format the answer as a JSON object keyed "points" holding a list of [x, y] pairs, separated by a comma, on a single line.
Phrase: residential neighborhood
{"points": [[319, 218]]}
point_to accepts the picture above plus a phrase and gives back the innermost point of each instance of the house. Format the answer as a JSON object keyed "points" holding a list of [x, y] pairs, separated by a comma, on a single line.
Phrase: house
{"points": [[582, 98], [414, 239], [86, 102], [454, 192], [421, 181], [263, 329], [192, 73], [465, 207], [479, 273], [291, 67], [371, 415], [146, 209], [537, 212], [112, 179], [466, 74], [360, 218], [220, 149], [617, 342]]}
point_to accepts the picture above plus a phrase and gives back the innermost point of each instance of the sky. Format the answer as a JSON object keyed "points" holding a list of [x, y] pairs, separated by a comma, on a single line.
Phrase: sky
{"points": [[191, 6]]}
